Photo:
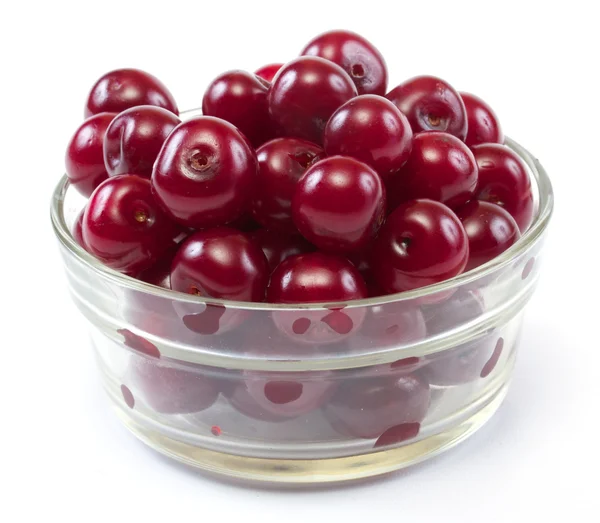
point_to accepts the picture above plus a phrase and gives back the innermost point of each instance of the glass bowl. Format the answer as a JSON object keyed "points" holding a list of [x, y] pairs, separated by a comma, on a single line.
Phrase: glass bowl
{"points": [[313, 393]]}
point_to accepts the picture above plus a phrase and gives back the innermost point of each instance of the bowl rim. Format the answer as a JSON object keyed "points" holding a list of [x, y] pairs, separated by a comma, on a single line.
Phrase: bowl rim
{"points": [[541, 219]]}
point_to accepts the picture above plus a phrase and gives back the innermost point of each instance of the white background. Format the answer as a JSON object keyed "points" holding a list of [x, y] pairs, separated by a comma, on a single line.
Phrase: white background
{"points": [[63, 453]]}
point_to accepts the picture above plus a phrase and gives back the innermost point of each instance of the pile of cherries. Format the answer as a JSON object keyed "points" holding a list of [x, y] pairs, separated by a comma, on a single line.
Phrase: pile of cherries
{"points": [[303, 182]]}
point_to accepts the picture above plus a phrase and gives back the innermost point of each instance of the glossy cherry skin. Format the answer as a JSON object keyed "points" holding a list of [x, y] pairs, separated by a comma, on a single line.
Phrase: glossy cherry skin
{"points": [[240, 98], [123, 225], [84, 159], [317, 277], [220, 263], [371, 129], [305, 93], [490, 229], [281, 163], [278, 247], [440, 167], [159, 273], [134, 138], [431, 104], [174, 389], [124, 88], [339, 204], [366, 407], [356, 55], [205, 173], [483, 125], [268, 72], [503, 180], [421, 243]]}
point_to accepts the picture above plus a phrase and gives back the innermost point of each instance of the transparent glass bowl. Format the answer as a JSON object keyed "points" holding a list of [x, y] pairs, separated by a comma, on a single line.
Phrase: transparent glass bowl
{"points": [[306, 394]]}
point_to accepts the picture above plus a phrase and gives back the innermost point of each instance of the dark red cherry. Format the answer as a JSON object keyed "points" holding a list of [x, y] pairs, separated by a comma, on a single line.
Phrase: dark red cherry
{"points": [[504, 180], [366, 407], [124, 88], [241, 99], [483, 125], [220, 263], [123, 225], [281, 163], [84, 159], [371, 129], [205, 173], [278, 247], [77, 229], [356, 55], [134, 138], [305, 93], [174, 388], [317, 277], [490, 229], [440, 167], [245, 223], [421, 243], [431, 104], [339, 204], [159, 273], [268, 72]]}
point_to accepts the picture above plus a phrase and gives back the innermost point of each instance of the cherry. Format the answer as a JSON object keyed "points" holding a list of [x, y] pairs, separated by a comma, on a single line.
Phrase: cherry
{"points": [[431, 104], [504, 180], [357, 56], [77, 229], [421, 243], [205, 173], [134, 138], [317, 277], [245, 223], [490, 229], [124, 88], [483, 125], [339, 204], [174, 389], [159, 273], [281, 164], [440, 167], [220, 263], [277, 247], [241, 99], [305, 93], [371, 129], [124, 227], [268, 72], [366, 407], [84, 160]]}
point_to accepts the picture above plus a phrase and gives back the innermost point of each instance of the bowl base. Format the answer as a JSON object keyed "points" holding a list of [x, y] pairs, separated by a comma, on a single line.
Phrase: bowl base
{"points": [[312, 471]]}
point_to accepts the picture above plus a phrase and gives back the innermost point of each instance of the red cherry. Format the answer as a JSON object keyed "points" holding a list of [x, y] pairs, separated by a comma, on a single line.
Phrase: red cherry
{"points": [[431, 104], [282, 162], [124, 227], [277, 247], [84, 160], [317, 277], [421, 243], [366, 407], [174, 389], [305, 93], [124, 88], [77, 229], [268, 72], [490, 229], [339, 204], [241, 99], [134, 138], [440, 167], [205, 173], [371, 129], [504, 180], [356, 55], [159, 273], [220, 263], [483, 125]]}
